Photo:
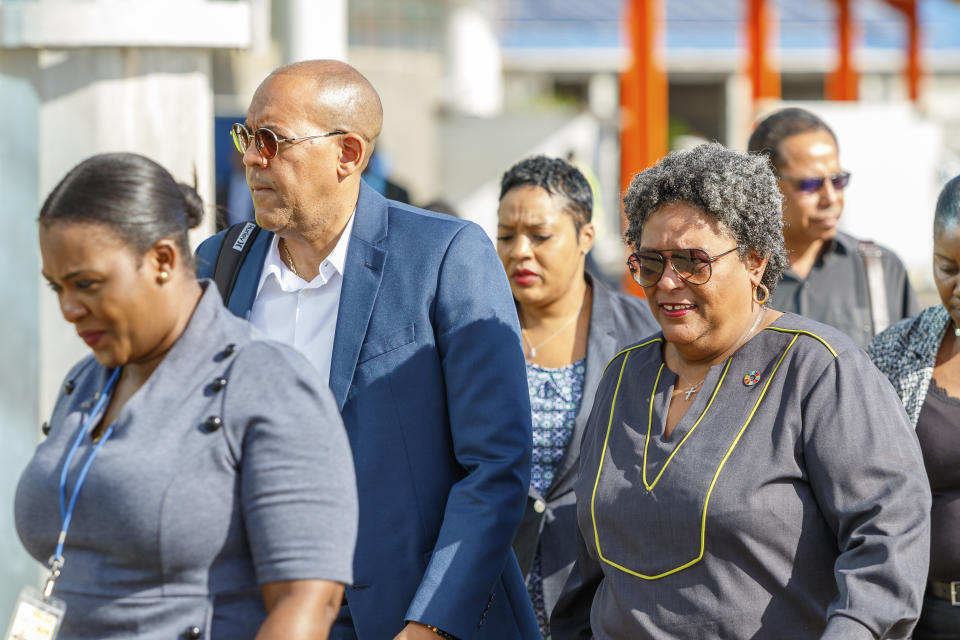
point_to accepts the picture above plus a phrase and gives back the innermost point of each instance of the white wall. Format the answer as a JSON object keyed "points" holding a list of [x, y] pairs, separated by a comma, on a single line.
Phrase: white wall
{"points": [[80, 78]]}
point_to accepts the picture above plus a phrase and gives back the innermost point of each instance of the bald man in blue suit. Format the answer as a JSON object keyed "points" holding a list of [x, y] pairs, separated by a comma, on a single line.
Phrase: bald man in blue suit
{"points": [[410, 314]]}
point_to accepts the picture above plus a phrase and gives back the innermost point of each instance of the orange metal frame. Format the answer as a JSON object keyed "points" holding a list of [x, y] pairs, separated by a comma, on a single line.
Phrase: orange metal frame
{"points": [[913, 70], [643, 85], [843, 83], [643, 98], [761, 67]]}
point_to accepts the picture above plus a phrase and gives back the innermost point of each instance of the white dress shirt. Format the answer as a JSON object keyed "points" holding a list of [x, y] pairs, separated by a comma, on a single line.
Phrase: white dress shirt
{"points": [[300, 313]]}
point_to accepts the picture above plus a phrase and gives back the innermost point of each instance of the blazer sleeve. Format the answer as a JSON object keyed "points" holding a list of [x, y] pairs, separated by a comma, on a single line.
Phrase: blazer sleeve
{"points": [[866, 471], [478, 341]]}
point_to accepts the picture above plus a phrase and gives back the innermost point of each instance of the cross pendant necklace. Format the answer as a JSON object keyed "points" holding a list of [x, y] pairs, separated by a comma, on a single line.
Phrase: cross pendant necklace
{"points": [[692, 389]]}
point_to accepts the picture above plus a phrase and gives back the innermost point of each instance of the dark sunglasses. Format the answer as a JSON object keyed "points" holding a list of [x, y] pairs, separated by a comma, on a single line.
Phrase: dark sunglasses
{"points": [[694, 266], [266, 140], [811, 185]]}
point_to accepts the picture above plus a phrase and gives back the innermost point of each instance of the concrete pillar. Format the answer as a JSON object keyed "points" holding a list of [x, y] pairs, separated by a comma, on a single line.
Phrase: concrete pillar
{"points": [[315, 29], [79, 78], [739, 110], [475, 73]]}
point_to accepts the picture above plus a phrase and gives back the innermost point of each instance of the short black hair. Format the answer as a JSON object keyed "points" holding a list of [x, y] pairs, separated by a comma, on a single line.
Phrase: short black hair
{"points": [[555, 176], [133, 196], [777, 127], [947, 213]]}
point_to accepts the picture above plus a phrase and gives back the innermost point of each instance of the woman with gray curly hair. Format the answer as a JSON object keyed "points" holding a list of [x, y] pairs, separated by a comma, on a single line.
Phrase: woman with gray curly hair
{"points": [[745, 473]]}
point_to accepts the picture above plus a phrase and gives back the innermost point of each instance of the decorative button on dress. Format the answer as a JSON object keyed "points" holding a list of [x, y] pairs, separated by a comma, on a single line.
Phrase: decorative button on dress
{"points": [[555, 396]]}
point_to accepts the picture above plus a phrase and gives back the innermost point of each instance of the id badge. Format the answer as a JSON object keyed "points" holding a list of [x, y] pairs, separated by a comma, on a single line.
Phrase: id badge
{"points": [[35, 618]]}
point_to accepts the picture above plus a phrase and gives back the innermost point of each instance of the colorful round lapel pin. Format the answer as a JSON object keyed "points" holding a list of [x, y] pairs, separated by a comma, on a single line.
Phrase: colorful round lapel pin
{"points": [[751, 378]]}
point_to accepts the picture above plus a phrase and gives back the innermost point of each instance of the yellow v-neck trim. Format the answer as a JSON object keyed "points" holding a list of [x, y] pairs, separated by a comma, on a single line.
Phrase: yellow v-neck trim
{"points": [[628, 350], [646, 444], [716, 475], [805, 333]]}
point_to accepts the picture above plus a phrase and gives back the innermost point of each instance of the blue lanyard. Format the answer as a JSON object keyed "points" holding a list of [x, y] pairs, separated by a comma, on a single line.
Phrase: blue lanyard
{"points": [[66, 511]]}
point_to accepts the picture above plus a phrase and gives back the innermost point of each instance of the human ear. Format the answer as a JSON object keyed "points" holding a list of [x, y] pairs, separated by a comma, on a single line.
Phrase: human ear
{"points": [[164, 258], [587, 236], [353, 154], [755, 266]]}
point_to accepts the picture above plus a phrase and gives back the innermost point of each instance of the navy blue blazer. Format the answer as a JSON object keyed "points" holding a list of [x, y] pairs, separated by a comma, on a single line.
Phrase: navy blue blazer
{"points": [[428, 372]]}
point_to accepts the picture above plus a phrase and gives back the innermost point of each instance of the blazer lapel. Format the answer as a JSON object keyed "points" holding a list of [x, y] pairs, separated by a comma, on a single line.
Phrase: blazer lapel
{"points": [[601, 343], [245, 289], [363, 272]]}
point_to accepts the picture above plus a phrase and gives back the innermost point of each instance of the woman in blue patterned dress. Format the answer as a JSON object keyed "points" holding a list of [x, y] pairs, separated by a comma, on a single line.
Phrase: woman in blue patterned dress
{"points": [[571, 325]]}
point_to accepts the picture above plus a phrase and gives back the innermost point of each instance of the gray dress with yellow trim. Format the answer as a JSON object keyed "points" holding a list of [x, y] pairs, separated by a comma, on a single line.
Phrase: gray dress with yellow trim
{"points": [[789, 501]]}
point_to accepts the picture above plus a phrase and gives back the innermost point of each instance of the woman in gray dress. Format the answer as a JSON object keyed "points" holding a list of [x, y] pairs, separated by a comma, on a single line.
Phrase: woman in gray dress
{"points": [[572, 324], [194, 482], [921, 358], [745, 473]]}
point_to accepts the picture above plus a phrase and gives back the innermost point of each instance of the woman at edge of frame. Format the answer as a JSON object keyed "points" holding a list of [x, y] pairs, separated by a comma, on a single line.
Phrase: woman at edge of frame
{"points": [[921, 358], [571, 324], [745, 473], [209, 507]]}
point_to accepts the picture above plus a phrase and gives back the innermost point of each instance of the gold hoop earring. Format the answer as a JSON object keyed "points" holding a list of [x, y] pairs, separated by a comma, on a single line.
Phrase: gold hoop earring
{"points": [[766, 294]]}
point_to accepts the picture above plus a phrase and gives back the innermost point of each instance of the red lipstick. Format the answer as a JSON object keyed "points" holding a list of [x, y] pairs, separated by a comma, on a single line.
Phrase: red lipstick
{"points": [[676, 309], [524, 277]]}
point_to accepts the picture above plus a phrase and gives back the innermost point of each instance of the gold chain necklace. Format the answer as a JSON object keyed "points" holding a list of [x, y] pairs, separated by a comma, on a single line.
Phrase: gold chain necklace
{"points": [[289, 258]]}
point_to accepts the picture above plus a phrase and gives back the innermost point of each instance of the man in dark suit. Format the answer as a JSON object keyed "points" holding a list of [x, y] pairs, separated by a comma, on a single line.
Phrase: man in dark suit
{"points": [[410, 315]]}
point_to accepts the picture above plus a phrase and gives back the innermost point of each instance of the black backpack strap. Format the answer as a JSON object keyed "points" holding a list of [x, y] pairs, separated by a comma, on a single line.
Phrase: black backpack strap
{"points": [[233, 251]]}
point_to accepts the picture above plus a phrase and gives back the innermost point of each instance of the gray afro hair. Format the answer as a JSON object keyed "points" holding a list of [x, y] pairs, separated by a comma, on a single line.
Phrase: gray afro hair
{"points": [[738, 190]]}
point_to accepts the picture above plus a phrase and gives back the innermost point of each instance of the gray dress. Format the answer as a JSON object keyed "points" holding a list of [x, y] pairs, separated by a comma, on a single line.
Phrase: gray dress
{"points": [[180, 519], [789, 502]]}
